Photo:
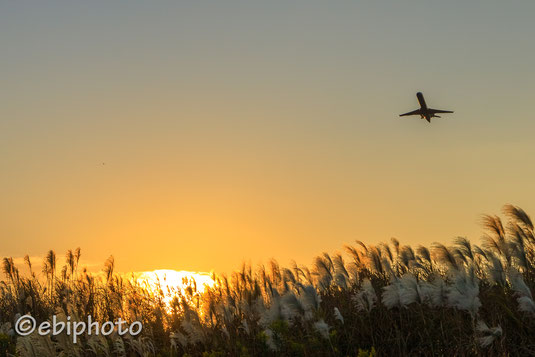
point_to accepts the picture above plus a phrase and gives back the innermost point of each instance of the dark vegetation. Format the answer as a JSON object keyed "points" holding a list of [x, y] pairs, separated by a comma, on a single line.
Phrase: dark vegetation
{"points": [[384, 300]]}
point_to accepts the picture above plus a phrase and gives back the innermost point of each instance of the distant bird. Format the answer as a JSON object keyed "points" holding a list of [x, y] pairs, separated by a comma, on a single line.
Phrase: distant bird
{"points": [[424, 112]]}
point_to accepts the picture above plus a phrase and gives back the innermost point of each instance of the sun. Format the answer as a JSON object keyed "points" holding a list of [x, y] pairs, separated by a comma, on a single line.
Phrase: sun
{"points": [[172, 281]]}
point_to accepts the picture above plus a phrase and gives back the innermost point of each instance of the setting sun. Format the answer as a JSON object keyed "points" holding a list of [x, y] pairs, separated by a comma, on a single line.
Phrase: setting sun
{"points": [[173, 283]]}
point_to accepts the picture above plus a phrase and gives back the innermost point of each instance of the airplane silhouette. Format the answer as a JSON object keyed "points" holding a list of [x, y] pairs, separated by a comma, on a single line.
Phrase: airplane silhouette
{"points": [[424, 112]]}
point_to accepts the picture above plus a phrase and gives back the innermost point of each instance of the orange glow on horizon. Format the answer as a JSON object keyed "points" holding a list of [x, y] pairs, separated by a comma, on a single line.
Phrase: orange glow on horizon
{"points": [[173, 282]]}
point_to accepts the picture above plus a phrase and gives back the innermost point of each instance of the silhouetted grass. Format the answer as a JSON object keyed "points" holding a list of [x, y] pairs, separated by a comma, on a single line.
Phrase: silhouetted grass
{"points": [[389, 299]]}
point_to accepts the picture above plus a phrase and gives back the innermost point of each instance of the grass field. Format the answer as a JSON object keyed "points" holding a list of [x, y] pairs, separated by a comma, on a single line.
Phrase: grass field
{"points": [[384, 300]]}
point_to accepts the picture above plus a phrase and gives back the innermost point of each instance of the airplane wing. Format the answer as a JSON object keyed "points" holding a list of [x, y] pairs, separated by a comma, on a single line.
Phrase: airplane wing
{"points": [[434, 111], [414, 112]]}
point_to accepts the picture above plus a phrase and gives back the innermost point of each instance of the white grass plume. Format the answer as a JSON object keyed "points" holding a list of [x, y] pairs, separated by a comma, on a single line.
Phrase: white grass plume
{"points": [[463, 294], [291, 307], [489, 333], [366, 297], [270, 340], [525, 298], [436, 291], [272, 313], [310, 300], [392, 294], [341, 276], [445, 256], [322, 327], [338, 316], [410, 290], [177, 338], [245, 327], [495, 269]]}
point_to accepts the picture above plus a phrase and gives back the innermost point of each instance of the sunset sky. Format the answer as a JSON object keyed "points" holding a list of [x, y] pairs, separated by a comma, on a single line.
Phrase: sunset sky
{"points": [[199, 135]]}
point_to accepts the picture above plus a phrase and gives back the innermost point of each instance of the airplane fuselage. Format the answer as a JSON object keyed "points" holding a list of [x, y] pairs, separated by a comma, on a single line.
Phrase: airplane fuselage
{"points": [[421, 100], [425, 113]]}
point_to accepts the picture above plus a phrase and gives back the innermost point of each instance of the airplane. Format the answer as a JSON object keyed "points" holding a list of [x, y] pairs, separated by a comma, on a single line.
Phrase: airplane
{"points": [[424, 112]]}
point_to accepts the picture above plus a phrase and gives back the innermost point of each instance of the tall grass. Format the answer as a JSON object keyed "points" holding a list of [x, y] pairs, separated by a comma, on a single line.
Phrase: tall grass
{"points": [[389, 299]]}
